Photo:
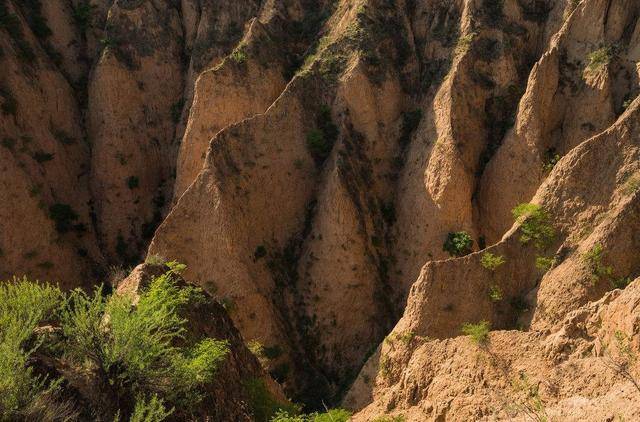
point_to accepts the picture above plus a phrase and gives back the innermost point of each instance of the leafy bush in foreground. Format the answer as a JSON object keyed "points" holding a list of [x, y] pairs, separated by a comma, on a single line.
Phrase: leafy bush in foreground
{"points": [[135, 357]]}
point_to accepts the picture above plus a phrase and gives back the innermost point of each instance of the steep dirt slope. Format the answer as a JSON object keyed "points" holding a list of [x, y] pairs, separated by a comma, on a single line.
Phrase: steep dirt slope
{"points": [[574, 375], [308, 161], [366, 181], [46, 229]]}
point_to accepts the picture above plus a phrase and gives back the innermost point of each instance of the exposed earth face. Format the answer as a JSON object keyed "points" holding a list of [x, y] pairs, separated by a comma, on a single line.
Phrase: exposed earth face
{"points": [[355, 181]]}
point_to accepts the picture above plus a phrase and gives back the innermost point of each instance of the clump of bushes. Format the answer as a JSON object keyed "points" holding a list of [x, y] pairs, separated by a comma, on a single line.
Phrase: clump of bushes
{"points": [[535, 225], [593, 258], [239, 55], [133, 182], [491, 262], [479, 332], [264, 407], [544, 263], [136, 360], [334, 415], [495, 293], [600, 58], [458, 244], [64, 218]]}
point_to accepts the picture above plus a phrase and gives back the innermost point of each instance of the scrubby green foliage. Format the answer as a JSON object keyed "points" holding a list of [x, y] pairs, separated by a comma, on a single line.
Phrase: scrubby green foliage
{"points": [[399, 418], [64, 217], [495, 293], [333, 415], [491, 262], [544, 263], [535, 225], [464, 44], [239, 55], [136, 355], [262, 404], [599, 271], [23, 306], [600, 58], [479, 332], [458, 244], [152, 410]]}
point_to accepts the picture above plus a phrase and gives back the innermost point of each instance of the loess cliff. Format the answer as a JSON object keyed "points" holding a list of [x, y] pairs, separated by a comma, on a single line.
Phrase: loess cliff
{"points": [[354, 181]]}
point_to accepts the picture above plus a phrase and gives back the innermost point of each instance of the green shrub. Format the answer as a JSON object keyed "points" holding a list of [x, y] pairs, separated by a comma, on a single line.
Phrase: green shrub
{"points": [[491, 262], [63, 216], [239, 55], [260, 252], [551, 160], [333, 415], [593, 258], [544, 263], [620, 283], [534, 225], [133, 182], [600, 58], [479, 332], [458, 244], [399, 418], [23, 306], [262, 404], [138, 351], [151, 410], [495, 293], [464, 44]]}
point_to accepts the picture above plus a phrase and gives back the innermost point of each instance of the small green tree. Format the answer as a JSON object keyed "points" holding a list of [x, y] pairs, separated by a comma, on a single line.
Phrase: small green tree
{"points": [[495, 293], [491, 262], [535, 225], [458, 244], [600, 58], [479, 332], [599, 271]]}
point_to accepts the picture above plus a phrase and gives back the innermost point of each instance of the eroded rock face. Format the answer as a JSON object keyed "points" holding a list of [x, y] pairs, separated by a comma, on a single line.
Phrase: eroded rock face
{"points": [[308, 161]]}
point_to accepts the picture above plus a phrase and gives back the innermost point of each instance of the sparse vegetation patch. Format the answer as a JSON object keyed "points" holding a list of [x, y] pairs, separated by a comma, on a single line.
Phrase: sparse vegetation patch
{"points": [[535, 225], [458, 244]]}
